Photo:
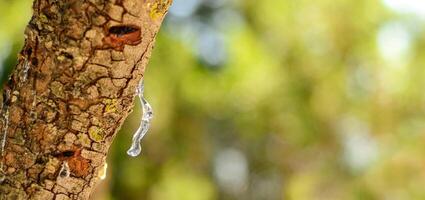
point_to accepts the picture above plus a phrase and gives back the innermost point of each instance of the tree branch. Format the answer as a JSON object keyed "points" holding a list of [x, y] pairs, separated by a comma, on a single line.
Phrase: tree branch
{"points": [[70, 93]]}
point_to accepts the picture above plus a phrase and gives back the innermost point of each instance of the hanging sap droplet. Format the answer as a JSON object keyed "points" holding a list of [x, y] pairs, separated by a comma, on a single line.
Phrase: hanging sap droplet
{"points": [[64, 171], [147, 116]]}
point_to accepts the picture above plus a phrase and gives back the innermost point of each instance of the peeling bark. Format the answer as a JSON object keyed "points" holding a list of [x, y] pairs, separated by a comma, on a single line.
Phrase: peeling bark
{"points": [[70, 93]]}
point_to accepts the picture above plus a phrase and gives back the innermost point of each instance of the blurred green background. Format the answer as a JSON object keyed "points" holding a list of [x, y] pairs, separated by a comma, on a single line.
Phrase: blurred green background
{"points": [[273, 99]]}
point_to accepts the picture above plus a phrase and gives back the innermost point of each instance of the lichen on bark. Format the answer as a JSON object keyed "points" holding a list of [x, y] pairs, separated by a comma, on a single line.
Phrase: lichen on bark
{"points": [[73, 87]]}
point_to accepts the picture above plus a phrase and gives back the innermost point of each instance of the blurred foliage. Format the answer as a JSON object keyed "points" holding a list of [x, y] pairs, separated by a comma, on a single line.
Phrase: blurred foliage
{"points": [[273, 100]]}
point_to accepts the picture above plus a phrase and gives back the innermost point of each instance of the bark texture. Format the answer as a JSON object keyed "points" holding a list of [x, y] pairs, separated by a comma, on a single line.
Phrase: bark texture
{"points": [[71, 91]]}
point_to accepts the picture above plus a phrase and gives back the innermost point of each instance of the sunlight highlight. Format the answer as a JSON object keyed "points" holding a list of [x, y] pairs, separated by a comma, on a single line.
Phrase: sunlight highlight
{"points": [[415, 7]]}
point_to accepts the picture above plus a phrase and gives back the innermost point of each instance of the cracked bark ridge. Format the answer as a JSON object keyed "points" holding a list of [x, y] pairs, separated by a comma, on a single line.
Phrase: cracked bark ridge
{"points": [[71, 91]]}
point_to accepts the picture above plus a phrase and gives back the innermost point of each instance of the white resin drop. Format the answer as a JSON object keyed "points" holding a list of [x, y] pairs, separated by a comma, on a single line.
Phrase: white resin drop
{"points": [[147, 116], [102, 172], [64, 171]]}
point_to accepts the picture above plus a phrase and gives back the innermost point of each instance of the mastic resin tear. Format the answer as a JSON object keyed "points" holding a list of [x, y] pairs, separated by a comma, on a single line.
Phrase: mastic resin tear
{"points": [[147, 116]]}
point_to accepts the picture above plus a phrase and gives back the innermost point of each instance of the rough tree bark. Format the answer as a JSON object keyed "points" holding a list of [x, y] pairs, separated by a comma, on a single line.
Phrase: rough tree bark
{"points": [[71, 91]]}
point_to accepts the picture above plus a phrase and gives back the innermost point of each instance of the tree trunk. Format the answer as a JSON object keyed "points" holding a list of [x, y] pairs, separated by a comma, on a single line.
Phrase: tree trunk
{"points": [[70, 93]]}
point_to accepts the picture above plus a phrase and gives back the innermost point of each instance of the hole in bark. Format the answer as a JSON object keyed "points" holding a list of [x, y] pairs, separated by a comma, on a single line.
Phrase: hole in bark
{"points": [[121, 35], [121, 30], [64, 154], [67, 154]]}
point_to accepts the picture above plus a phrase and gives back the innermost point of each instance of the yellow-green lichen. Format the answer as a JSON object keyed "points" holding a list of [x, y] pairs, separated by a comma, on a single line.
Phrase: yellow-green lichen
{"points": [[43, 18], [159, 8], [84, 140], [96, 134], [110, 105]]}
